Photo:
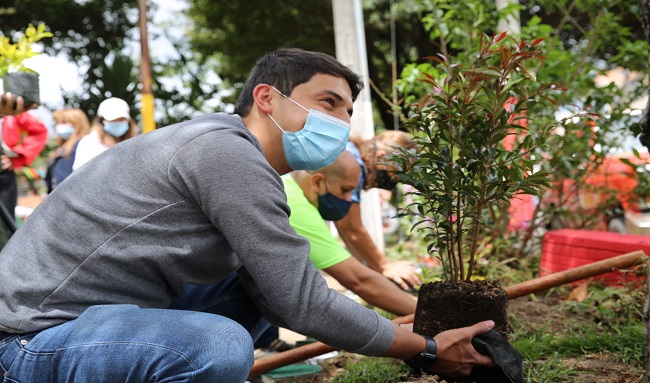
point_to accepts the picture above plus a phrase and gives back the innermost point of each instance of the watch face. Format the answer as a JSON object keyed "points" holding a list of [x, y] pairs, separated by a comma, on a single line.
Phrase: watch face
{"points": [[423, 361]]}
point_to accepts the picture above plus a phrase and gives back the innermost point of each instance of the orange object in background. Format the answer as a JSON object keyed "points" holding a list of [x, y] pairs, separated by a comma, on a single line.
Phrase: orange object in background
{"points": [[522, 206], [617, 179], [521, 211], [612, 186]]}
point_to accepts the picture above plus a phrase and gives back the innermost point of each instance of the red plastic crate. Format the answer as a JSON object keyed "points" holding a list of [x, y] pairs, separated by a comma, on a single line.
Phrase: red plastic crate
{"points": [[567, 249]]}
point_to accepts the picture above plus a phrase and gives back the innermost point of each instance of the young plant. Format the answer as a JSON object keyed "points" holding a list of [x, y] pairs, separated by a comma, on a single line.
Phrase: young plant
{"points": [[12, 56], [474, 149]]}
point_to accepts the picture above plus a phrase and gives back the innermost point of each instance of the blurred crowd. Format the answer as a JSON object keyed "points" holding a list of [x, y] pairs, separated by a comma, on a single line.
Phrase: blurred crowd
{"points": [[39, 153]]}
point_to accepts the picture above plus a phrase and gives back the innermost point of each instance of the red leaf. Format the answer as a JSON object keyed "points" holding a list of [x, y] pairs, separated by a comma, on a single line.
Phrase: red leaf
{"points": [[537, 41], [498, 38], [435, 58]]}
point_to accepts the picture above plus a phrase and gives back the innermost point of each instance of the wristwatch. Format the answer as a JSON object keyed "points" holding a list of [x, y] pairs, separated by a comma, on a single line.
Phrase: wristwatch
{"points": [[423, 361]]}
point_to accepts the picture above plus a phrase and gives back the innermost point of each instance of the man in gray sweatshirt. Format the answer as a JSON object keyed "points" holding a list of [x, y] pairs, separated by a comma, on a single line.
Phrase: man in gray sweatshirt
{"points": [[88, 279]]}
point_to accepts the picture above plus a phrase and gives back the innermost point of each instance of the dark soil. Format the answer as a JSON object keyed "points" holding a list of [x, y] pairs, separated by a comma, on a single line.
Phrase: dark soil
{"points": [[444, 305]]}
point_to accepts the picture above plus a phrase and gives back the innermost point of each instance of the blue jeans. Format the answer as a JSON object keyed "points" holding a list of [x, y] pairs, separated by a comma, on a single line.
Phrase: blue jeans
{"points": [[125, 343]]}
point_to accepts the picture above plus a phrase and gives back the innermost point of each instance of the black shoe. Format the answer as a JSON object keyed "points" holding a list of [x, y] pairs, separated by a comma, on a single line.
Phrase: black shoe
{"points": [[280, 346]]}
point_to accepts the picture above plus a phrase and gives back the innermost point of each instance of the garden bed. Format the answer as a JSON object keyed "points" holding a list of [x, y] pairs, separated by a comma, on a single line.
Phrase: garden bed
{"points": [[596, 337]]}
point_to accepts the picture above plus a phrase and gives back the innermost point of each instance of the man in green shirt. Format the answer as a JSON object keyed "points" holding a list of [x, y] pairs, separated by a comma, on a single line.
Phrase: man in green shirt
{"points": [[307, 195], [315, 196]]}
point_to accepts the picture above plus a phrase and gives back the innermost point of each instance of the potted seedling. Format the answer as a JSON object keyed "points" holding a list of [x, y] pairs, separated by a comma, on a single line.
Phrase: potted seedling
{"points": [[473, 153], [16, 78]]}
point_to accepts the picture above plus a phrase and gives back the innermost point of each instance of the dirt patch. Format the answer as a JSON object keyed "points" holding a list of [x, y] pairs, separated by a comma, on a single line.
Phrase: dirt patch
{"points": [[547, 313], [538, 313], [602, 368]]}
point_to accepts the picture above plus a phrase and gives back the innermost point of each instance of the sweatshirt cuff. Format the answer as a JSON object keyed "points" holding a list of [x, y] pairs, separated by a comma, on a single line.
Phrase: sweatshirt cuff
{"points": [[382, 340]]}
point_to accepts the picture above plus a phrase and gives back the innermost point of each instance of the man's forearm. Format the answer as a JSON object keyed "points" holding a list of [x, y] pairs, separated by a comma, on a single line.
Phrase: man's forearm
{"points": [[380, 292], [372, 287], [358, 240], [360, 244], [363, 248]]}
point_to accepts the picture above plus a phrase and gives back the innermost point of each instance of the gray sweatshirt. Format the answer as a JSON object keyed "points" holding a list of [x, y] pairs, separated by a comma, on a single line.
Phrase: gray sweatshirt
{"points": [[189, 203]]}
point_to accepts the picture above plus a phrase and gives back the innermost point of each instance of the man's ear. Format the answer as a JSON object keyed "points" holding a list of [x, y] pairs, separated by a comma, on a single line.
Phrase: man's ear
{"points": [[263, 97], [316, 181]]}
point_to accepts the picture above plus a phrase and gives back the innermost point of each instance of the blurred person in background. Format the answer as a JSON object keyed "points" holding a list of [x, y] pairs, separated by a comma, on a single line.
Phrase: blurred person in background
{"points": [[23, 139], [71, 126], [374, 174], [112, 125]]}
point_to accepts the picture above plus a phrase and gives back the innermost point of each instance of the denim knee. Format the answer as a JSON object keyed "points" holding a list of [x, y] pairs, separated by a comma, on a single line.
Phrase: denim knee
{"points": [[126, 343], [237, 361]]}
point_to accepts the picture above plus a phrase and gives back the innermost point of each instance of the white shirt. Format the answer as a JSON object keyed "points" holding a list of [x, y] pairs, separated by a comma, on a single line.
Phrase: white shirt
{"points": [[88, 148]]}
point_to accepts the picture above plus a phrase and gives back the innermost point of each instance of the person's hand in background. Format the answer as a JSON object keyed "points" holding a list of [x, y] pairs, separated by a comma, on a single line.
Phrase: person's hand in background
{"points": [[403, 273], [6, 162], [11, 105]]}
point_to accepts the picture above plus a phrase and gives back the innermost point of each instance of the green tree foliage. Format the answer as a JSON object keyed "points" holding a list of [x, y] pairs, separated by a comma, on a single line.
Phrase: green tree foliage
{"points": [[236, 33], [92, 34], [644, 126]]}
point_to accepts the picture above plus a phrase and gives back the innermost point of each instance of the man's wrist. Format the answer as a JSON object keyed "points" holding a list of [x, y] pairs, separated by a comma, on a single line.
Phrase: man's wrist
{"points": [[426, 358]]}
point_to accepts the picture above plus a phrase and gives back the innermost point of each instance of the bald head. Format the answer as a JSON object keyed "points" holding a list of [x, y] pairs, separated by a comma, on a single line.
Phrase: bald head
{"points": [[344, 166], [339, 178]]}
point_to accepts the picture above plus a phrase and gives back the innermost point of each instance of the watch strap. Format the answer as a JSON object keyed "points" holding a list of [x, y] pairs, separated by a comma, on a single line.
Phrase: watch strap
{"points": [[423, 361]]}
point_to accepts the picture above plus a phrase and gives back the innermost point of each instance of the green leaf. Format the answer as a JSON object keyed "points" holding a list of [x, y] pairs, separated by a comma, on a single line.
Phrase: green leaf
{"points": [[527, 73]]}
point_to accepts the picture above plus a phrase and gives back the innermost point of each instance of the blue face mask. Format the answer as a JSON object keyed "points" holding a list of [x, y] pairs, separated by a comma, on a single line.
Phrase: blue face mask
{"points": [[64, 130], [331, 207], [318, 143], [116, 128]]}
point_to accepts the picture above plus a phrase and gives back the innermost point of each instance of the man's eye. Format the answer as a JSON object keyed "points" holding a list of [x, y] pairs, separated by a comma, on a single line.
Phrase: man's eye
{"points": [[329, 101]]}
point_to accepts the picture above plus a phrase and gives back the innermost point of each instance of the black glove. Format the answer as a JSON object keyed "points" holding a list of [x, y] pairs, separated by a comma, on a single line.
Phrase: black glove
{"points": [[507, 358]]}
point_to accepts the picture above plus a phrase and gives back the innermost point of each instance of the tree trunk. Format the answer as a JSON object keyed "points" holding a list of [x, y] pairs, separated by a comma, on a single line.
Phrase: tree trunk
{"points": [[645, 140], [644, 13]]}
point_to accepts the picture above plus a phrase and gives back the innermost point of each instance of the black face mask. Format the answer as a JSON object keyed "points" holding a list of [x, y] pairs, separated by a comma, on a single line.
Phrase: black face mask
{"points": [[384, 181]]}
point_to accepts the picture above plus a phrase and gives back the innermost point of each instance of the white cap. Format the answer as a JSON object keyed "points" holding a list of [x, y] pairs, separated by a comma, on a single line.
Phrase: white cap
{"points": [[113, 108]]}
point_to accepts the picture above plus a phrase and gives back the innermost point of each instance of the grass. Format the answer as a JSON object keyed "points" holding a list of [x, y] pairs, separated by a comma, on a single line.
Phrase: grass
{"points": [[625, 343], [372, 370], [551, 369], [609, 321]]}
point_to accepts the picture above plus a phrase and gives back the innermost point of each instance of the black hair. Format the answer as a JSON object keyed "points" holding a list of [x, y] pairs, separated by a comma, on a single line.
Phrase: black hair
{"points": [[287, 68]]}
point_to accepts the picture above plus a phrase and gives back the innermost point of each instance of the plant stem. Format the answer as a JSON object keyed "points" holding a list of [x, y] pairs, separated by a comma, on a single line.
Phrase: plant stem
{"points": [[459, 221]]}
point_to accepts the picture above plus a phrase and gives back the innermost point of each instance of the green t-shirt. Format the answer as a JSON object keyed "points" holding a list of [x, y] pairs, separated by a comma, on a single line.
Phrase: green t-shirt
{"points": [[325, 251]]}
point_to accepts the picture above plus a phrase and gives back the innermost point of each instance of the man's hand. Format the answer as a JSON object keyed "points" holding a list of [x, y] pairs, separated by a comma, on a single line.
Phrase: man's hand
{"points": [[11, 105], [403, 273], [456, 355]]}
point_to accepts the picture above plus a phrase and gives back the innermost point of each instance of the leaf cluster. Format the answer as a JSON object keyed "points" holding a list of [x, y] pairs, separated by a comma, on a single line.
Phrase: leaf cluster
{"points": [[473, 148], [12, 56], [92, 34]]}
